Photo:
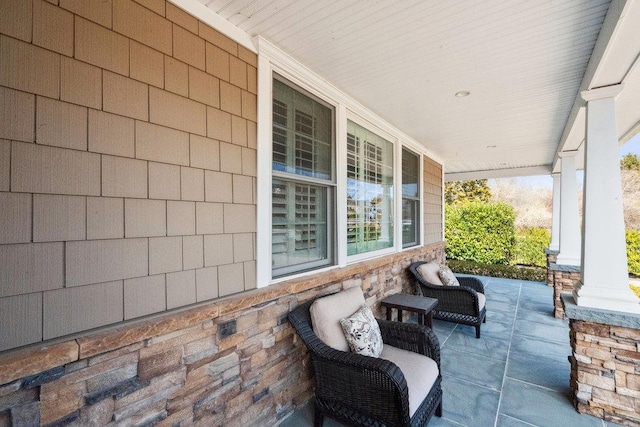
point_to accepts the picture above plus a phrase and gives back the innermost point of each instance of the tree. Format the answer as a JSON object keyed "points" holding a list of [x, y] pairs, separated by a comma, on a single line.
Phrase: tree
{"points": [[630, 162], [457, 192]]}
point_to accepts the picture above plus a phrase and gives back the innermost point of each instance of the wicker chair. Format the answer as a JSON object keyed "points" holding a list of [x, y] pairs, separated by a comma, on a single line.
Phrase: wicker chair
{"points": [[460, 304], [368, 391]]}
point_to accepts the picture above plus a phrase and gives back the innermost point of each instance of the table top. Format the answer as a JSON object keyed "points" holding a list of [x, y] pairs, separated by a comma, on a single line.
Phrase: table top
{"points": [[410, 302]]}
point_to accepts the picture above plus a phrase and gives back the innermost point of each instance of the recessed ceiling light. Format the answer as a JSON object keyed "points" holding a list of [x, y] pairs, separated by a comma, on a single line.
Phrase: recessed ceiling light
{"points": [[462, 94]]}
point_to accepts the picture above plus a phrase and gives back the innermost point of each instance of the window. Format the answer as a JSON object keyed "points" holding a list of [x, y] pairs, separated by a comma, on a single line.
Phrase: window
{"points": [[369, 191], [410, 198], [303, 181]]}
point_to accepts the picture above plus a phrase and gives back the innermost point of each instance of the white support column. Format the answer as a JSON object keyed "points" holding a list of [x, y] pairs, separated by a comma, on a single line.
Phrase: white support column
{"points": [[569, 216], [605, 278], [554, 245]]}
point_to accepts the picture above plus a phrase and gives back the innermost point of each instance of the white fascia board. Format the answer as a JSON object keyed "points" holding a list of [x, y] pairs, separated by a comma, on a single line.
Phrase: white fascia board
{"points": [[633, 130], [498, 173], [304, 77], [215, 21]]}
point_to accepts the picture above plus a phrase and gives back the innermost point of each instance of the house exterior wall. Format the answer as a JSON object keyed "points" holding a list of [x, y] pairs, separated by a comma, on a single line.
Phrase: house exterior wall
{"points": [[128, 153], [127, 165], [233, 362], [433, 199]]}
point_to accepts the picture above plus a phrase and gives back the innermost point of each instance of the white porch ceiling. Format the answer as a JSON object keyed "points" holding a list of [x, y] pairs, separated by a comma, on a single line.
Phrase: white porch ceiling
{"points": [[524, 63]]}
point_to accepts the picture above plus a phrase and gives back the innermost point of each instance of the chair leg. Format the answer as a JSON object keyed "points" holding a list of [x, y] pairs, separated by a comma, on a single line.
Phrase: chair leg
{"points": [[478, 330], [439, 410], [318, 418]]}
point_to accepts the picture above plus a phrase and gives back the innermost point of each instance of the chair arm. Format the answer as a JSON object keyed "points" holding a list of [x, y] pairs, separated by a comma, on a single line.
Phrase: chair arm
{"points": [[471, 282], [455, 299], [368, 385], [412, 337]]}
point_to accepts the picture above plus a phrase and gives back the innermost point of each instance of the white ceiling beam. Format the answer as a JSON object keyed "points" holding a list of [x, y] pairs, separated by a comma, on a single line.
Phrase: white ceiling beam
{"points": [[498, 173], [604, 65]]}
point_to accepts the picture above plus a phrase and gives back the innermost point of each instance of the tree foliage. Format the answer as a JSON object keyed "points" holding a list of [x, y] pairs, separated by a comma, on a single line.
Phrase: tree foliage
{"points": [[530, 246], [633, 252], [630, 162], [480, 232], [456, 192]]}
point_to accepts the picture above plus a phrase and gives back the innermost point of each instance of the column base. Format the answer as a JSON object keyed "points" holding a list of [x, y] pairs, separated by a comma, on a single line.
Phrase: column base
{"points": [[563, 279], [568, 260], [616, 299], [604, 361]]}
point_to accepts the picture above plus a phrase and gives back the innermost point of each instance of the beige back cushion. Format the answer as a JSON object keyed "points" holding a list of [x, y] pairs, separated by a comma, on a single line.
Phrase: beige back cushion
{"points": [[326, 313], [429, 272]]}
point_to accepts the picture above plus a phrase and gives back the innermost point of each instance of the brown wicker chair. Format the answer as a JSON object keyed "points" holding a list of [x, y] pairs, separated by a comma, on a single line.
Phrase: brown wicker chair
{"points": [[459, 304], [368, 391]]}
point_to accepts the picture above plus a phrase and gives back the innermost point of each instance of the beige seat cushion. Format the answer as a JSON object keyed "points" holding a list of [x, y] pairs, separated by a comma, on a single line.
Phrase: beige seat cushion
{"points": [[419, 371], [482, 300], [326, 313], [429, 272]]}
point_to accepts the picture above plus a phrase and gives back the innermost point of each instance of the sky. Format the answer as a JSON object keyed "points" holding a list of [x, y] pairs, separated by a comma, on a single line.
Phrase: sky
{"points": [[631, 147]]}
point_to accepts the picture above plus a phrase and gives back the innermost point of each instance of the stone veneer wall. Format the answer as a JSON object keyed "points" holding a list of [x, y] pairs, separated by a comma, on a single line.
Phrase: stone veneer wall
{"points": [[564, 279], [605, 371], [551, 259], [127, 164], [231, 362], [605, 362]]}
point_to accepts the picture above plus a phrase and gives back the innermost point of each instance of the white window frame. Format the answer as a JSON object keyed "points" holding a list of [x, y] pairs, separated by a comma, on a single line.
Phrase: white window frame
{"points": [[371, 127], [420, 214], [272, 60], [328, 184]]}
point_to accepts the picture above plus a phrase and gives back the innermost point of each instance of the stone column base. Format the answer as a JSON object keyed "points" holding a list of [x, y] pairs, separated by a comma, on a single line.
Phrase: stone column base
{"points": [[564, 279], [605, 362], [551, 259]]}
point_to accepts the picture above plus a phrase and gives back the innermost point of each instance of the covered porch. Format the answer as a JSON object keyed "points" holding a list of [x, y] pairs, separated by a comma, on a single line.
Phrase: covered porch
{"points": [[516, 374], [166, 197]]}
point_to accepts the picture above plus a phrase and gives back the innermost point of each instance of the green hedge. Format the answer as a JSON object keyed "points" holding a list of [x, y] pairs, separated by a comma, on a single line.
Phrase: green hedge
{"points": [[530, 246], [480, 232], [536, 274], [633, 252]]}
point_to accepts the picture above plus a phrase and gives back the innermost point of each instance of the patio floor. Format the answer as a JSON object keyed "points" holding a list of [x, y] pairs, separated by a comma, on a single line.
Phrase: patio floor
{"points": [[516, 374]]}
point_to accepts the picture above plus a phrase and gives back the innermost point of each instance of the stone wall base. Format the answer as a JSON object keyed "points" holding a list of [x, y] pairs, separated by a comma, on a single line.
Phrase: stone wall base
{"points": [[605, 371], [551, 259], [232, 362], [563, 278]]}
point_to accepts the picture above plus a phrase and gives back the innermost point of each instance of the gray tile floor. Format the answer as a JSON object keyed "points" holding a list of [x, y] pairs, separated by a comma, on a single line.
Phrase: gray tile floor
{"points": [[516, 374]]}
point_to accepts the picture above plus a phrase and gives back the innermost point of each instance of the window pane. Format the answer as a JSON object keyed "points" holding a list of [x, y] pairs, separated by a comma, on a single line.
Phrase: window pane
{"points": [[409, 222], [369, 191], [299, 225], [410, 171], [302, 133], [410, 198]]}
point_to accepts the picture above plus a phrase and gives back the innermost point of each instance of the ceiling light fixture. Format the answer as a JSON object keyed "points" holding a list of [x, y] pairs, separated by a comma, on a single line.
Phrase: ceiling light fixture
{"points": [[462, 93]]}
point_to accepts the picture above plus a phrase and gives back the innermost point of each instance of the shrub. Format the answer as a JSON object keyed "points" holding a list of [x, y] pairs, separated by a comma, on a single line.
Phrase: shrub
{"points": [[530, 246], [633, 252], [480, 232], [536, 274]]}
